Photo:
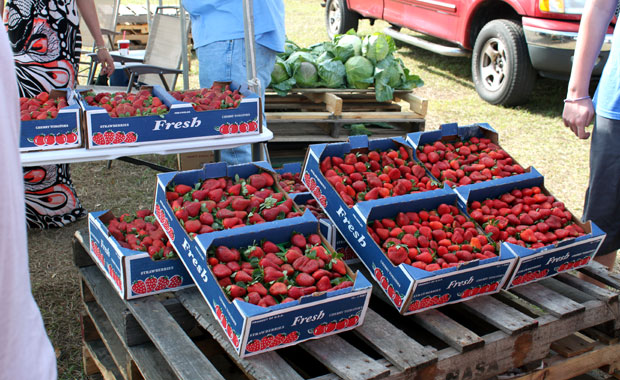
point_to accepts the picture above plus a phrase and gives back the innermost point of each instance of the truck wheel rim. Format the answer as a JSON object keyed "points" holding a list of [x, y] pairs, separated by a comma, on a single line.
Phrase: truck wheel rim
{"points": [[334, 17], [493, 64]]}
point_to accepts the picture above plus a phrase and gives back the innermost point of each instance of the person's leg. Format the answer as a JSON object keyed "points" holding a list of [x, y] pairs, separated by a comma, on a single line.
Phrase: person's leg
{"points": [[602, 200], [219, 61]]}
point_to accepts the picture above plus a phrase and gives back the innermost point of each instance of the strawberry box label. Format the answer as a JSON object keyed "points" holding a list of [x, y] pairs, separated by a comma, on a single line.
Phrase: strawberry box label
{"points": [[56, 124], [117, 122], [528, 221], [133, 273], [400, 264]]}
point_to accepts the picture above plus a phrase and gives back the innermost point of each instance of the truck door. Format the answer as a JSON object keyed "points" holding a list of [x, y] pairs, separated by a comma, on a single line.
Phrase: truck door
{"points": [[439, 18], [367, 8]]}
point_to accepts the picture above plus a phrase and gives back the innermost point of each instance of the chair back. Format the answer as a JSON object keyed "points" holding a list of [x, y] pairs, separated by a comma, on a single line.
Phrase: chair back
{"points": [[107, 13], [164, 47]]}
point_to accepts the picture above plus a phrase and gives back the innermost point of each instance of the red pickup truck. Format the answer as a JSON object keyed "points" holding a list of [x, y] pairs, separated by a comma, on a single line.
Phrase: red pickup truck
{"points": [[510, 41]]}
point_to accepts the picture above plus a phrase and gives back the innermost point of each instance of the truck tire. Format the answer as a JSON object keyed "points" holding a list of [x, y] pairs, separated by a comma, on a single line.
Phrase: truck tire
{"points": [[338, 18], [500, 66]]}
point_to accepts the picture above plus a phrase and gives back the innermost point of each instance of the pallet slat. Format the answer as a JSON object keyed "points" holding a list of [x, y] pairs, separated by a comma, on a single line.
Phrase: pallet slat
{"points": [[96, 355], [184, 358], [500, 315], [554, 303], [448, 330], [344, 359], [115, 308], [600, 273], [267, 365], [404, 352], [586, 287]]}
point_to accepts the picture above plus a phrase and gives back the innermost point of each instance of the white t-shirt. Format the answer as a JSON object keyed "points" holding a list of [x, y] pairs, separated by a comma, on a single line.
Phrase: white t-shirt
{"points": [[25, 349]]}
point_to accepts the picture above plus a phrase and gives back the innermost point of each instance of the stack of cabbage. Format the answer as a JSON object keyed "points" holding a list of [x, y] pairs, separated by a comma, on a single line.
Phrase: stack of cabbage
{"points": [[346, 62]]}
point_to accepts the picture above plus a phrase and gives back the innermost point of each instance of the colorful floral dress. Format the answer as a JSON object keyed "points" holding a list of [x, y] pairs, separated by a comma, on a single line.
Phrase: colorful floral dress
{"points": [[46, 43]]}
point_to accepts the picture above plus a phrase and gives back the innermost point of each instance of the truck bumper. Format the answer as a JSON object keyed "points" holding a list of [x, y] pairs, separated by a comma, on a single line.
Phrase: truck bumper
{"points": [[552, 50]]}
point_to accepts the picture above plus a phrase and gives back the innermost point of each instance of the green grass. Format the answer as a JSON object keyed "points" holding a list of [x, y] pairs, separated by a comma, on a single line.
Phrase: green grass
{"points": [[533, 134]]}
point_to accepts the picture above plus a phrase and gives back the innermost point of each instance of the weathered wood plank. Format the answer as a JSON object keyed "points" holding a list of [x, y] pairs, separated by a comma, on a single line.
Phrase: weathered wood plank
{"points": [[345, 117], [589, 288], [115, 308], [344, 359], [116, 349], [566, 369], [268, 365], [405, 353], [566, 290], [332, 101], [145, 356], [573, 345], [416, 104], [500, 315], [448, 330], [600, 273], [547, 299], [184, 358], [97, 353], [79, 245]]}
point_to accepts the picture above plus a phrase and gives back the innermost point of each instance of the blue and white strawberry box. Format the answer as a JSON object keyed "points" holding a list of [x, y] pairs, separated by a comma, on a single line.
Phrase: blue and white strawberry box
{"points": [[537, 263], [133, 274], [180, 123], [254, 329], [497, 164], [409, 288], [62, 132]]}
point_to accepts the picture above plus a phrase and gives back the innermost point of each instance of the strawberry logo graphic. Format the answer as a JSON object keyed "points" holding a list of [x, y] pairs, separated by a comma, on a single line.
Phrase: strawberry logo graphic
{"points": [[162, 283], [235, 340], [138, 287], [267, 342], [98, 139], [291, 337], [175, 281], [244, 127], [108, 137], [253, 346], [234, 128], [119, 137], [151, 283], [253, 126], [131, 137]]}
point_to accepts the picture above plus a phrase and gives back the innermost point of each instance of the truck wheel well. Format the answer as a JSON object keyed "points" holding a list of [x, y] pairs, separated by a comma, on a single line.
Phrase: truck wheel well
{"points": [[488, 11]]}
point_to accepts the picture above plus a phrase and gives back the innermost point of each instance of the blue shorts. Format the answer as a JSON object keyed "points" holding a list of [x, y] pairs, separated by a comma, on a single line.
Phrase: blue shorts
{"points": [[225, 61], [602, 202]]}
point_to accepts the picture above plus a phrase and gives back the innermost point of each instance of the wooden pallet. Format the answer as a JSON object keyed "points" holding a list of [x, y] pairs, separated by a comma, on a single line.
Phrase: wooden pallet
{"points": [[177, 337], [320, 115]]}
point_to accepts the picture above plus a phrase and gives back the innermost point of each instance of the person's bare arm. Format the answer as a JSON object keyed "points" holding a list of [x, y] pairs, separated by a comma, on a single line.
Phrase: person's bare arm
{"points": [[89, 14], [578, 114]]}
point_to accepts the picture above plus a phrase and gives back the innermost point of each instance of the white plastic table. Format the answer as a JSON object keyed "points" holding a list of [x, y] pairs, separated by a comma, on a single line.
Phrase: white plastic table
{"points": [[102, 154]]}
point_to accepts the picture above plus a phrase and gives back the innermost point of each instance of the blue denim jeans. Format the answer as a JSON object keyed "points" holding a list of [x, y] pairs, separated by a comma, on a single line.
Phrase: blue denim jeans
{"points": [[225, 61]]}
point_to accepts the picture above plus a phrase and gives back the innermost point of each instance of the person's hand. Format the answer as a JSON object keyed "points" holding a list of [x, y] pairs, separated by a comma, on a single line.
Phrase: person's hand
{"points": [[577, 116], [107, 63]]}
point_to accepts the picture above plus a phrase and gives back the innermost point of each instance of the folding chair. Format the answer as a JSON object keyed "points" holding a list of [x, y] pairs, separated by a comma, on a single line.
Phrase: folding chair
{"points": [[163, 54]]}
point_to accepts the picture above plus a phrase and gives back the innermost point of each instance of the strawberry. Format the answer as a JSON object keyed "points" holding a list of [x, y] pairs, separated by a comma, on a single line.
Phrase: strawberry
{"points": [[323, 284], [236, 291], [192, 226], [221, 271], [304, 279], [278, 289]]}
